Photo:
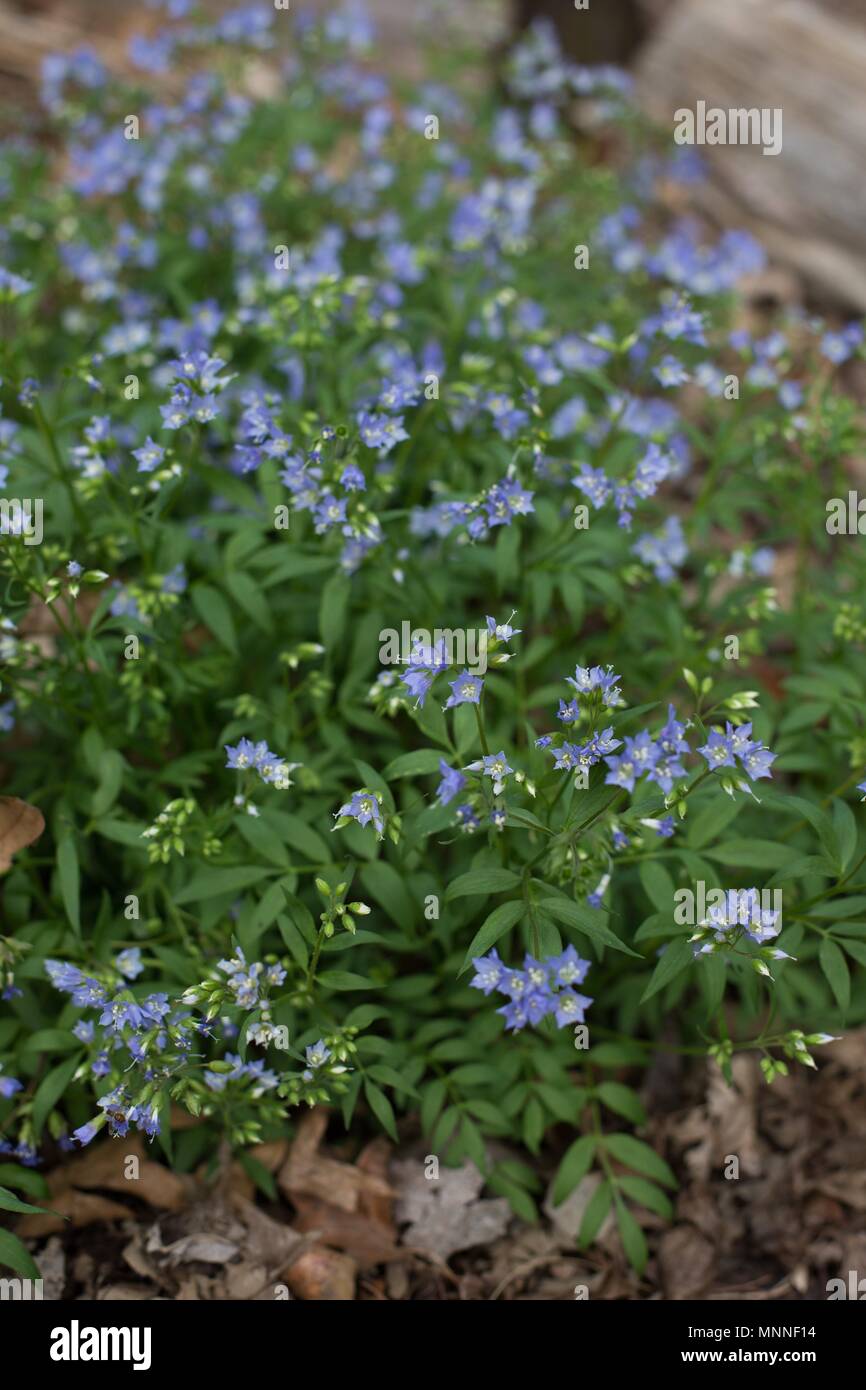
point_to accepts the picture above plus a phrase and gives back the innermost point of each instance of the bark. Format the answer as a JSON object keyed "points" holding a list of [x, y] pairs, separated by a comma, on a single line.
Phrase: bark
{"points": [[808, 203]]}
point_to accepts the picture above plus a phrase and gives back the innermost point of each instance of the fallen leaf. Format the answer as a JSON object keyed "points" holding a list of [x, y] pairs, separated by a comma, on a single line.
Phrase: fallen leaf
{"points": [[687, 1260], [368, 1241], [52, 1269], [125, 1293], [444, 1214], [309, 1173], [106, 1166], [20, 825], [322, 1276], [81, 1208], [201, 1247]]}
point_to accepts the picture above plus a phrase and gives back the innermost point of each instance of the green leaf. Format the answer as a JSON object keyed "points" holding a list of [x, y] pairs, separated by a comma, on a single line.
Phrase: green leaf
{"points": [[574, 1166], [251, 599], [417, 764], [385, 884], [332, 610], [215, 613], [632, 1237], [645, 1192], [381, 1108], [69, 876], [263, 1179], [856, 950], [111, 768], [658, 885], [14, 1255], [835, 968], [596, 1211], [344, 980], [482, 881], [586, 920], [25, 1179], [638, 1155], [389, 1077], [622, 1100], [269, 908], [9, 1202], [51, 1088], [431, 1104], [501, 920], [50, 1040], [675, 957], [711, 820], [263, 840], [844, 833], [213, 883], [757, 854]]}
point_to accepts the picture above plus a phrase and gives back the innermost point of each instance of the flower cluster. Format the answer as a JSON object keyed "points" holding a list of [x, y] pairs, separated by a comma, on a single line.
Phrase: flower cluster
{"points": [[540, 989], [739, 914], [723, 749], [246, 756]]}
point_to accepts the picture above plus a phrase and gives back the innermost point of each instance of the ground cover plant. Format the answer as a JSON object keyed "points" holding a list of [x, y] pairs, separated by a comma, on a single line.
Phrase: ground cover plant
{"points": [[432, 618]]}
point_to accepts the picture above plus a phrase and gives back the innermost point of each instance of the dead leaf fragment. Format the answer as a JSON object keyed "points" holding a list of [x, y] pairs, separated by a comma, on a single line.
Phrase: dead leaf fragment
{"points": [[106, 1165], [20, 825], [307, 1172], [445, 1214], [687, 1260], [322, 1276], [82, 1209]]}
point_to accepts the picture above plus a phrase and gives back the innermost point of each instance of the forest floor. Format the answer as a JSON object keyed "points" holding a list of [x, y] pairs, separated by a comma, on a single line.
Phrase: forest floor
{"points": [[771, 1205]]}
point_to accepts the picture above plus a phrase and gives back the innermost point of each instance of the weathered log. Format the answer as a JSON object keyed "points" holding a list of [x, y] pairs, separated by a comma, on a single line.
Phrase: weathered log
{"points": [[808, 203]]}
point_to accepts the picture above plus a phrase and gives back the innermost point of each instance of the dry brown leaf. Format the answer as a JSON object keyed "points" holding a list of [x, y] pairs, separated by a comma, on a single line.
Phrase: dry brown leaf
{"points": [[20, 825], [687, 1260], [105, 1165], [322, 1276], [309, 1173], [447, 1214], [367, 1240], [125, 1293], [82, 1209], [271, 1155]]}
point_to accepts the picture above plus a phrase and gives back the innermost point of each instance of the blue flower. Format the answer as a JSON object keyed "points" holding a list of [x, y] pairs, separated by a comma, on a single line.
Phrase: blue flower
{"points": [[452, 783], [242, 756], [589, 678], [318, 1054], [120, 1013], [85, 1133], [467, 818], [570, 1007], [466, 689], [503, 632], [718, 750], [568, 969], [493, 765], [128, 962], [364, 807], [425, 664], [149, 456]]}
